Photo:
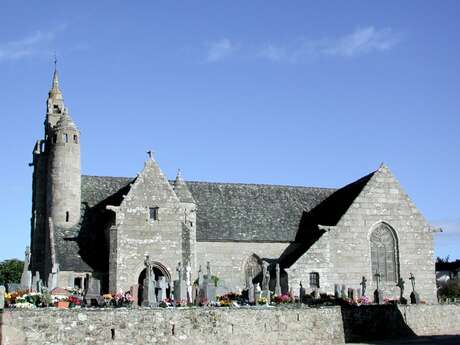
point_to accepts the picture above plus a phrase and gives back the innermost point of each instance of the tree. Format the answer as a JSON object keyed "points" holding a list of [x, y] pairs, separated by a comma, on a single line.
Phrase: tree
{"points": [[10, 271]]}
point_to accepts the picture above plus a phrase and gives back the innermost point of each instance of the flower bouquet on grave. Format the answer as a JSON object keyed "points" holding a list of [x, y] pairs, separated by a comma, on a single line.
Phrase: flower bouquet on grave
{"points": [[122, 299], [74, 301], [108, 297], [282, 299], [363, 300]]}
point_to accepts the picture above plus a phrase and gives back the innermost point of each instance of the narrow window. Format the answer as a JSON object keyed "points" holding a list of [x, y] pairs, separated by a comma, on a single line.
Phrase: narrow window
{"points": [[54, 138], [153, 213], [66, 137], [56, 108], [314, 280], [67, 216], [75, 139]]}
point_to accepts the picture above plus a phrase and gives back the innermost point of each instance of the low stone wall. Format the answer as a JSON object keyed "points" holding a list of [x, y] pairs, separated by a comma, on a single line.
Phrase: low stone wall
{"points": [[301, 325], [167, 326]]}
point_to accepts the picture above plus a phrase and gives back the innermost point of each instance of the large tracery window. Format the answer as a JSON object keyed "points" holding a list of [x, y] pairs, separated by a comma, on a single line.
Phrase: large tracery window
{"points": [[384, 253]]}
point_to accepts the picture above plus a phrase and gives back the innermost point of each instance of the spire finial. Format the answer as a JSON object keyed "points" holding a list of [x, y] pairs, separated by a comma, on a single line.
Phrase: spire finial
{"points": [[55, 61], [150, 153], [179, 173]]}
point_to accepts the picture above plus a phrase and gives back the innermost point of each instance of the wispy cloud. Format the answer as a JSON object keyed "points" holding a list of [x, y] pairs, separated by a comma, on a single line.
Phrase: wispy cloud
{"points": [[361, 41], [33, 44], [220, 50]]}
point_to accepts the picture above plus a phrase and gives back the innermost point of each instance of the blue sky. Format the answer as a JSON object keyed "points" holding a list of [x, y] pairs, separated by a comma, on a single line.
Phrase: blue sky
{"points": [[298, 93]]}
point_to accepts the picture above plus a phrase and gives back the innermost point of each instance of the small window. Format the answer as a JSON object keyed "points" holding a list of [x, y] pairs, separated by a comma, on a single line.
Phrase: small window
{"points": [[75, 139], [66, 138], [153, 213], [54, 139], [67, 216], [77, 283], [314, 280]]}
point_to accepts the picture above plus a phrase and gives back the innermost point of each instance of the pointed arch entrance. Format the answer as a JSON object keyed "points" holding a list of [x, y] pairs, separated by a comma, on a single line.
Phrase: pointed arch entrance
{"points": [[159, 270]]}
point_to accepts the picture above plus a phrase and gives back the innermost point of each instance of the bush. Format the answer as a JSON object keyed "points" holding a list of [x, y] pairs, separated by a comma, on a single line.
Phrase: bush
{"points": [[10, 271], [450, 290]]}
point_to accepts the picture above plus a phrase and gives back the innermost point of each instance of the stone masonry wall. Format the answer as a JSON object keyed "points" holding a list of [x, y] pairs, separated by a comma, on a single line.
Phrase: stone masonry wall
{"points": [[295, 325], [383, 200], [227, 259], [166, 326]]}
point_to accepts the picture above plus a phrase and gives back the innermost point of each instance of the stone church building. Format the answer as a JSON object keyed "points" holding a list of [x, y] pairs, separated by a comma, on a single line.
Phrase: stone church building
{"points": [[103, 227]]}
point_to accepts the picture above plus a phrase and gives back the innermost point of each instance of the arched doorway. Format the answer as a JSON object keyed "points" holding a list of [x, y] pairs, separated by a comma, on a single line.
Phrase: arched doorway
{"points": [[159, 270]]}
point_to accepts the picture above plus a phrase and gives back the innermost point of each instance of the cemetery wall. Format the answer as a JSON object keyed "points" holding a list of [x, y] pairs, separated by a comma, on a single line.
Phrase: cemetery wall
{"points": [[165, 326], [327, 325]]}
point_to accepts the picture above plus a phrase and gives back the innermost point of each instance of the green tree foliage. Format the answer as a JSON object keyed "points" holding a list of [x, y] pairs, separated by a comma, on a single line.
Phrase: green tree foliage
{"points": [[450, 290], [10, 271]]}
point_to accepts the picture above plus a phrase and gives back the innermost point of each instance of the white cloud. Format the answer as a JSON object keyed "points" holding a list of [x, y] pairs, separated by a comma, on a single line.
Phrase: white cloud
{"points": [[359, 42], [220, 50], [363, 40], [27, 46]]}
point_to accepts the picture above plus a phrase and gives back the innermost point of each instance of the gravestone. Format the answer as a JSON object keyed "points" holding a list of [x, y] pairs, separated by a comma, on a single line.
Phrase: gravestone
{"points": [[188, 283], [363, 285], [92, 295], [278, 284], [337, 290], [13, 287], [378, 294], [162, 289], [150, 299], [134, 292], [35, 280], [343, 292], [401, 284], [180, 287], [2, 297], [53, 277], [301, 293], [315, 294], [26, 277], [257, 293], [251, 293], [208, 289], [265, 276]]}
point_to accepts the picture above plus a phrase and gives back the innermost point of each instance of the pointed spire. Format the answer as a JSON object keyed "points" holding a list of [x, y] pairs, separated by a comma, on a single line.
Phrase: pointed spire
{"points": [[55, 91], [181, 189]]}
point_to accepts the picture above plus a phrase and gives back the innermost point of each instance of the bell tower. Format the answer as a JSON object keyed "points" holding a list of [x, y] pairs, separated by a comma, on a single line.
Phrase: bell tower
{"points": [[63, 171]]}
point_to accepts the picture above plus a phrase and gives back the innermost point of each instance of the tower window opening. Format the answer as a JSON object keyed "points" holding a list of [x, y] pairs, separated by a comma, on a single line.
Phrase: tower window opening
{"points": [[75, 139], [153, 213], [54, 140], [66, 137], [67, 216], [56, 108]]}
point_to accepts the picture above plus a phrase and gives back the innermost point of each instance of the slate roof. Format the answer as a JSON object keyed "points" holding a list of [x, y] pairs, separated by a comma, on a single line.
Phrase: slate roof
{"points": [[225, 212]]}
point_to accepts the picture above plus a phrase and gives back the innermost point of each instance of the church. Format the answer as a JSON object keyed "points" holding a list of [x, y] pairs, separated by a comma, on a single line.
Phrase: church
{"points": [[103, 227]]}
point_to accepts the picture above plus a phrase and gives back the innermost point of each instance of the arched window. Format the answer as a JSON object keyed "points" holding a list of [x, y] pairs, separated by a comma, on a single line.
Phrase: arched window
{"points": [[252, 267], [384, 253]]}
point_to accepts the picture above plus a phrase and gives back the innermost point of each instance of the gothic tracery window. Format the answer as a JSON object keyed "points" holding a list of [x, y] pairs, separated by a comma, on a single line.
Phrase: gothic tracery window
{"points": [[384, 253]]}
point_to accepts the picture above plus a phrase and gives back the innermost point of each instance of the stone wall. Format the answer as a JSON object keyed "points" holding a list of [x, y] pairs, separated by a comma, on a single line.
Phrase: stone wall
{"points": [[295, 325], [165, 326]]}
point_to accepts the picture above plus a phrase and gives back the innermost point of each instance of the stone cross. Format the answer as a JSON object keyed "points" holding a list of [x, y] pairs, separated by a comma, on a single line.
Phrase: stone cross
{"points": [[377, 276], [208, 271], [278, 285], [401, 287], [200, 277], [148, 268], [251, 292], [301, 293], [149, 297], [26, 277], [265, 282], [363, 285], [2, 297], [412, 280]]}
